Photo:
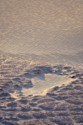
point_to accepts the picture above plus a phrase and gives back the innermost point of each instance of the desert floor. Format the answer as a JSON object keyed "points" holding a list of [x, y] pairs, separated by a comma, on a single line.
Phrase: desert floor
{"points": [[39, 94]]}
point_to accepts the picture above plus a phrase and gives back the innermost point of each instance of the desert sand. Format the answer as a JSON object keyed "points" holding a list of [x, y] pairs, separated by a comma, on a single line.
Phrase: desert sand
{"points": [[39, 94], [41, 62]]}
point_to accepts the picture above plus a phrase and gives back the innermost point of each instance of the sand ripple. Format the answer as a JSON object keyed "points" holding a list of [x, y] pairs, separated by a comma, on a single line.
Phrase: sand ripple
{"points": [[61, 104]]}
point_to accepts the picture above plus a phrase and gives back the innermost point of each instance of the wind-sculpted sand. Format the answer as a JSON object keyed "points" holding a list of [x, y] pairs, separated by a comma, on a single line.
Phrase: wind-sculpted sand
{"points": [[39, 94]]}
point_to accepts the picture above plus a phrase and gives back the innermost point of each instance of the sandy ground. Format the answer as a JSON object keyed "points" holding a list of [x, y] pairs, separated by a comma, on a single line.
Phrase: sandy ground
{"points": [[39, 94]]}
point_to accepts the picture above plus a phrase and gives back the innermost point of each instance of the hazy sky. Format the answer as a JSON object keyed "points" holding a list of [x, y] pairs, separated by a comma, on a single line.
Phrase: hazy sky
{"points": [[41, 26]]}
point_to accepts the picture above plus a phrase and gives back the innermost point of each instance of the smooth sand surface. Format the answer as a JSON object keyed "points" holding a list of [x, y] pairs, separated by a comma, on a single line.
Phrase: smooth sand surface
{"points": [[49, 30], [41, 87]]}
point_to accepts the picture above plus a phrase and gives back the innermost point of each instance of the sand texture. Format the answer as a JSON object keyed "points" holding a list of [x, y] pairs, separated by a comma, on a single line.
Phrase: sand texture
{"points": [[23, 103]]}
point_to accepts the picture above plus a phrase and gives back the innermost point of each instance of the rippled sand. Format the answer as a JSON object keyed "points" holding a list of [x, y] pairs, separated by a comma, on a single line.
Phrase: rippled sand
{"points": [[39, 94]]}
